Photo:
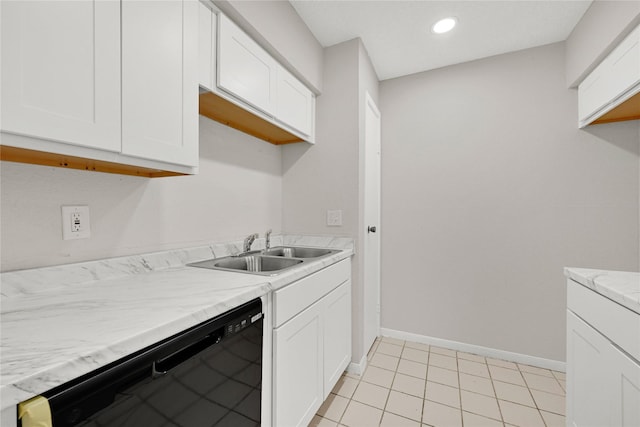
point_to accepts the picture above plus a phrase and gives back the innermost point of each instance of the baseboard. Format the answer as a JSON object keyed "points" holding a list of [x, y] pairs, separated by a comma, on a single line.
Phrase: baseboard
{"points": [[525, 359], [359, 367]]}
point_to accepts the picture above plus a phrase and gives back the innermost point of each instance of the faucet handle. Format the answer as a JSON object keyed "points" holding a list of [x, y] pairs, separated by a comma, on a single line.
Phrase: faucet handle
{"points": [[267, 238], [249, 241]]}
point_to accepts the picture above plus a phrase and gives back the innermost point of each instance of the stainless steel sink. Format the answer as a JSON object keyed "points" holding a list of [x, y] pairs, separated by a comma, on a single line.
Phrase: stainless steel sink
{"points": [[297, 252], [254, 264], [266, 263]]}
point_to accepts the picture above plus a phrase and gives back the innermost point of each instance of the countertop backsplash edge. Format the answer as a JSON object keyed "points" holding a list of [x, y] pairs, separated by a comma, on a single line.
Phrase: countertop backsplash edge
{"points": [[36, 280]]}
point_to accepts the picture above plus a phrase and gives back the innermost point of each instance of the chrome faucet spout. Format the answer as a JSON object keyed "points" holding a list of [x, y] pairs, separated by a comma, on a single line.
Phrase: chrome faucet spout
{"points": [[249, 241], [267, 238]]}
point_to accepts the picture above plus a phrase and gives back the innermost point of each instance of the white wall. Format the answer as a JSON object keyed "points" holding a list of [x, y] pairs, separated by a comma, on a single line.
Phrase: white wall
{"points": [[237, 192], [277, 27], [602, 27], [488, 191]]}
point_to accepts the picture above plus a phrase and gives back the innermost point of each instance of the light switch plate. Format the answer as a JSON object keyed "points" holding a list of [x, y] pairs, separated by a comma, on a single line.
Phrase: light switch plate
{"points": [[75, 222], [334, 218]]}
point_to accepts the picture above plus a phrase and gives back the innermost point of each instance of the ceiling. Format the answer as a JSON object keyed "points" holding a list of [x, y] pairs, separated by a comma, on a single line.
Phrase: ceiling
{"points": [[397, 33]]}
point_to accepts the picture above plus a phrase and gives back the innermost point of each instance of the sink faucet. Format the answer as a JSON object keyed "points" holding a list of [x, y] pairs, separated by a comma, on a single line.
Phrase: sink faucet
{"points": [[267, 238], [249, 241]]}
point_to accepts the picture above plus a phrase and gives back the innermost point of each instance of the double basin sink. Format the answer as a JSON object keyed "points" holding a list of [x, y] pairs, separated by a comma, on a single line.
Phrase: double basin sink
{"points": [[268, 262]]}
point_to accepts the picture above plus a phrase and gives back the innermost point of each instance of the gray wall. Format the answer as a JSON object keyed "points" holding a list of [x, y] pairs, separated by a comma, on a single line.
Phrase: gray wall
{"points": [[489, 189], [277, 26], [328, 175], [325, 175], [237, 192], [602, 27]]}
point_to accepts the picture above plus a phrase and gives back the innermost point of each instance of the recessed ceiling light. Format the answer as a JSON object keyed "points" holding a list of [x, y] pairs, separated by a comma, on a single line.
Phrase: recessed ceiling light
{"points": [[444, 25]]}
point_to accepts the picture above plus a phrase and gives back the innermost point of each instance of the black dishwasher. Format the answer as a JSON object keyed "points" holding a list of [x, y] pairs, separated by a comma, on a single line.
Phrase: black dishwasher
{"points": [[209, 375]]}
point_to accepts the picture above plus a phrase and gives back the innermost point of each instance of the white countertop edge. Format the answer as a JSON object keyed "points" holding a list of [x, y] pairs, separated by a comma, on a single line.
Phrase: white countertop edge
{"points": [[622, 287]]}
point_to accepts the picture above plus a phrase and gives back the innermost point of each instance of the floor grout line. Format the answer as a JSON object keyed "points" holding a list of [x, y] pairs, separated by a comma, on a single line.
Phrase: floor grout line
{"points": [[428, 365]]}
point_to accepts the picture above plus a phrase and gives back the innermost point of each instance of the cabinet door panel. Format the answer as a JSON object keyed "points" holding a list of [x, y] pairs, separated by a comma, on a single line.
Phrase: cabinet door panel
{"points": [[616, 74], [298, 368], [587, 362], [294, 103], [624, 70], [61, 71], [245, 69], [337, 335], [626, 412], [160, 80], [206, 46]]}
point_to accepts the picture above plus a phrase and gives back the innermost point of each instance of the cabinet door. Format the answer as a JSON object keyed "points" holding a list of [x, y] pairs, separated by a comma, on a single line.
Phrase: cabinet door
{"points": [[626, 396], [337, 334], [617, 73], [295, 103], [624, 66], [61, 71], [207, 29], [245, 70], [589, 384], [297, 371], [160, 80]]}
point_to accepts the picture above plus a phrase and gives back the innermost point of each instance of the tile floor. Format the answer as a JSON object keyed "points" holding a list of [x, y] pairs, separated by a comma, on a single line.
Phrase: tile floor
{"points": [[413, 384]]}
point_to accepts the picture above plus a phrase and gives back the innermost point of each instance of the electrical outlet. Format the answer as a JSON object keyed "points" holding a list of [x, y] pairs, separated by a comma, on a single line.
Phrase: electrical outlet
{"points": [[75, 222], [334, 218]]}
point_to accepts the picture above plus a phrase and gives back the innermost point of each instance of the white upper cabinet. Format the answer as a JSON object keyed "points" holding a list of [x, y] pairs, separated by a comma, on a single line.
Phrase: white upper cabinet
{"points": [[98, 84], [295, 103], [610, 84], [160, 80], [245, 69], [247, 88], [61, 71], [207, 31]]}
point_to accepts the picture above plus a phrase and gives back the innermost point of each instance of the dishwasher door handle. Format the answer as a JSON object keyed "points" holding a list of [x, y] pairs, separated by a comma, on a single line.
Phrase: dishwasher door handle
{"points": [[162, 366]]}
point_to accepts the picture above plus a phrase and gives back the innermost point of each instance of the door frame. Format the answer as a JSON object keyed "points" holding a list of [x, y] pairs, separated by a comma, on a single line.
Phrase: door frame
{"points": [[371, 331]]}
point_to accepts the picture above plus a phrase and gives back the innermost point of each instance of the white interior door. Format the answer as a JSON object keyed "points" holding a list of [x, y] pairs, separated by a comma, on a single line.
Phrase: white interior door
{"points": [[372, 222]]}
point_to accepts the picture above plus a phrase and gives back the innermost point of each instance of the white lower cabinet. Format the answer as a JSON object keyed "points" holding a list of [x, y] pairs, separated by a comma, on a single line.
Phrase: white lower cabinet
{"points": [[626, 390], [298, 367], [603, 380], [311, 342], [587, 375], [337, 335]]}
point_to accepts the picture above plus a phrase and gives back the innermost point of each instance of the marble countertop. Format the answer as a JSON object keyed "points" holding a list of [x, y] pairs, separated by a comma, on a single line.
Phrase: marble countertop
{"points": [[622, 287], [58, 323]]}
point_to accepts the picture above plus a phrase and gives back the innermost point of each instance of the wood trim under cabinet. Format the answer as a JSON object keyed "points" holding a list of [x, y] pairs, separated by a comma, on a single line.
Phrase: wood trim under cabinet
{"points": [[227, 113], [628, 110], [34, 157]]}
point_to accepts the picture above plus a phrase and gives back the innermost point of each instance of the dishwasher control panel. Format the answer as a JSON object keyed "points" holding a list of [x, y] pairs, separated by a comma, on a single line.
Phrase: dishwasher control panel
{"points": [[241, 323]]}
